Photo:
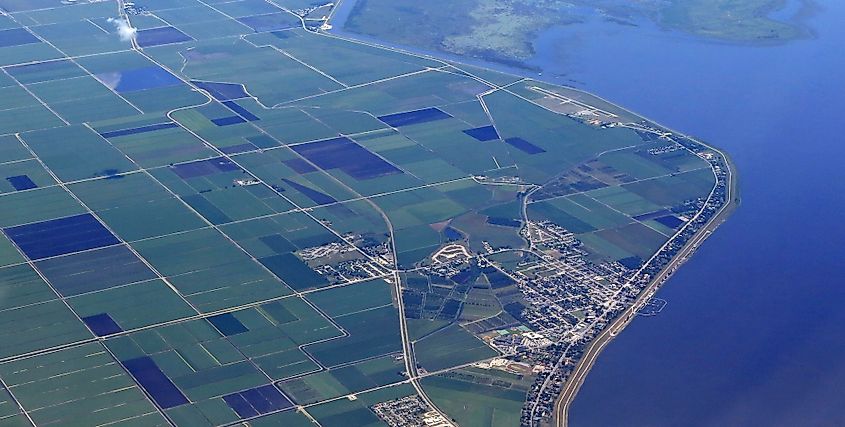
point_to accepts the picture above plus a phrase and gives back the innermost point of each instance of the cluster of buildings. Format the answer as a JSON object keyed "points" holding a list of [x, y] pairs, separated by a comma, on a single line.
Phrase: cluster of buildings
{"points": [[341, 262], [316, 16], [572, 299], [409, 411], [132, 9], [515, 340], [567, 297]]}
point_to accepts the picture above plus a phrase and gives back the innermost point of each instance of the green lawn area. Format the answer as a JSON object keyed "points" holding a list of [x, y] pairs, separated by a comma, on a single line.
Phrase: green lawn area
{"points": [[452, 346], [475, 405]]}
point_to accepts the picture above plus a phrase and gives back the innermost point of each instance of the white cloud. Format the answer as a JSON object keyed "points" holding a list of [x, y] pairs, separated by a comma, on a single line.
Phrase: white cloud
{"points": [[124, 29]]}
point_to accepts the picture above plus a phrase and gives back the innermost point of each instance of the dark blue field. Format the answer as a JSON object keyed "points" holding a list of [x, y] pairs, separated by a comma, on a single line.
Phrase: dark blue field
{"points": [[300, 166], [293, 271], [243, 112], [204, 167], [17, 37], [158, 385], [21, 182], [228, 324], [221, 91], [141, 129], [346, 155], [102, 324], [60, 236], [257, 401], [504, 222], [670, 221], [484, 133], [414, 117], [524, 146], [227, 121], [161, 36]]}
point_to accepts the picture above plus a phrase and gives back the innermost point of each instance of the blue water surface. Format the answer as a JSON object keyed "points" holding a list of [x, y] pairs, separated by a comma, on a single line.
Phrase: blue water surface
{"points": [[752, 334]]}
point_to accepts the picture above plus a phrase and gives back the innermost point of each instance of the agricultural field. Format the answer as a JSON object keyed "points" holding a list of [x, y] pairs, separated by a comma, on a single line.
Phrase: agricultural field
{"points": [[213, 214], [476, 398]]}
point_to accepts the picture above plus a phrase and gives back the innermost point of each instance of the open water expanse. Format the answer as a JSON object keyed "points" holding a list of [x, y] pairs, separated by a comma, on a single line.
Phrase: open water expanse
{"points": [[754, 330]]}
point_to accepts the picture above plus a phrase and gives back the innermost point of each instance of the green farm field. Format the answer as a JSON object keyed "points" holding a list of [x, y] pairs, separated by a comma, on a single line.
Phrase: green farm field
{"points": [[230, 217]]}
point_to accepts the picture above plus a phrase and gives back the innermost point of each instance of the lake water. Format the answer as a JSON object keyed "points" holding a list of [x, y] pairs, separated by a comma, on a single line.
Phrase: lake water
{"points": [[753, 331]]}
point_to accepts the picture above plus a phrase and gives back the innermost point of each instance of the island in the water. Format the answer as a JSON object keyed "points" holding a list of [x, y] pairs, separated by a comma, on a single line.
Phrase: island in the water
{"points": [[219, 213]]}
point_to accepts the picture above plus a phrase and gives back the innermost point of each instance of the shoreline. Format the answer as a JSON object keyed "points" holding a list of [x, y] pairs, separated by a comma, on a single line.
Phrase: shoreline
{"points": [[585, 364], [587, 360], [522, 66]]}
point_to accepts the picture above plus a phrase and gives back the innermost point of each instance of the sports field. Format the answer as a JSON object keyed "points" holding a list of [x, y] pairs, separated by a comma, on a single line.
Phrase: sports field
{"points": [[212, 221]]}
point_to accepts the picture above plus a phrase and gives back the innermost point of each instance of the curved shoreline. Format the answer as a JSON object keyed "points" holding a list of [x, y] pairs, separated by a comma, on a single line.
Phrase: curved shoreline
{"points": [[585, 364], [587, 360]]}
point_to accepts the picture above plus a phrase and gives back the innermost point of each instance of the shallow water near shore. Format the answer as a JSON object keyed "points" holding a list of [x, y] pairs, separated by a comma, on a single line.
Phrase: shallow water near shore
{"points": [[752, 333]]}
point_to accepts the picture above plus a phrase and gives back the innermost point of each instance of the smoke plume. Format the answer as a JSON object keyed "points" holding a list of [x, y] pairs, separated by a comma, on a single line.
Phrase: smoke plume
{"points": [[124, 29]]}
